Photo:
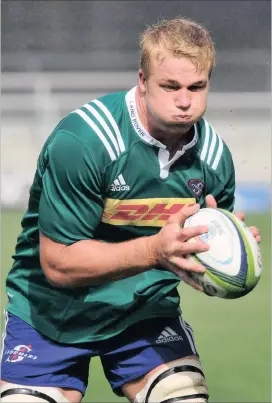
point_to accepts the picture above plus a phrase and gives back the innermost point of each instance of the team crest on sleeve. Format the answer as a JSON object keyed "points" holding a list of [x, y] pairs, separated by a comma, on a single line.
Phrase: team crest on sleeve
{"points": [[196, 186]]}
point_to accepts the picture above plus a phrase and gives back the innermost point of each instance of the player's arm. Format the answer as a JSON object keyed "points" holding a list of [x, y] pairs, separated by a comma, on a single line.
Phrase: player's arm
{"points": [[91, 262], [71, 207]]}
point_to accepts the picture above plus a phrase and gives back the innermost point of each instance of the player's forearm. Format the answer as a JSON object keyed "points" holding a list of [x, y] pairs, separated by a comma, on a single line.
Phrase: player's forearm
{"points": [[92, 262]]}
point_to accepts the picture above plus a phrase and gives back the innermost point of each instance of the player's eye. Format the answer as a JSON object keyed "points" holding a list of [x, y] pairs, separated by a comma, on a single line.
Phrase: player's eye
{"points": [[196, 88], [168, 87]]}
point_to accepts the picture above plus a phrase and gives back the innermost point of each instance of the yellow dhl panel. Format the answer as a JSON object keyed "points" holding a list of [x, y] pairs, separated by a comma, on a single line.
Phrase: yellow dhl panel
{"points": [[142, 212]]}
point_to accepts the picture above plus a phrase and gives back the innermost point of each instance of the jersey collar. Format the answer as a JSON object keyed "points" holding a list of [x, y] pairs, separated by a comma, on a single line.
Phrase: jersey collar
{"points": [[142, 132]]}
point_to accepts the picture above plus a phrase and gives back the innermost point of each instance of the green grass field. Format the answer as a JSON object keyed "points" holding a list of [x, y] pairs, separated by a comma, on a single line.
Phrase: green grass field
{"points": [[233, 337]]}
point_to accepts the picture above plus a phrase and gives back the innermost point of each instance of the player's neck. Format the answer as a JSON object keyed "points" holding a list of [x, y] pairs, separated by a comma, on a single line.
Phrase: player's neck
{"points": [[173, 142]]}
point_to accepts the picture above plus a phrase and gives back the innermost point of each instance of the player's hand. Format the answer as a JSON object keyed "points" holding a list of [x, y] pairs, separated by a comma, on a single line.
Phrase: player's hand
{"points": [[211, 203], [187, 278], [169, 248]]}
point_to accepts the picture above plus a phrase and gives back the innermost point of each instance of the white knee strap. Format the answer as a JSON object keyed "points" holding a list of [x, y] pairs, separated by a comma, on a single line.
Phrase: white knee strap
{"points": [[10, 392], [182, 379]]}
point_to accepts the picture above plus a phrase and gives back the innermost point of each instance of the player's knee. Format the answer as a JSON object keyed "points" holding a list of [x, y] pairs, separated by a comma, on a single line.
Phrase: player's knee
{"points": [[12, 393], [183, 379]]}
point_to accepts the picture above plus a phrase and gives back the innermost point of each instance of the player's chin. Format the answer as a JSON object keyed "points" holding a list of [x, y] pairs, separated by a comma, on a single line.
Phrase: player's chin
{"points": [[181, 126], [187, 122]]}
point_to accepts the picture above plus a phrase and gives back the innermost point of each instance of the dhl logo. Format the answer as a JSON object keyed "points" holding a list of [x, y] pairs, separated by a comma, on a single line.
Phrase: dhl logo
{"points": [[142, 212]]}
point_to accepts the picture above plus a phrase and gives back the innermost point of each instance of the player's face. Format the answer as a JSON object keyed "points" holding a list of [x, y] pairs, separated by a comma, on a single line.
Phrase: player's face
{"points": [[175, 93]]}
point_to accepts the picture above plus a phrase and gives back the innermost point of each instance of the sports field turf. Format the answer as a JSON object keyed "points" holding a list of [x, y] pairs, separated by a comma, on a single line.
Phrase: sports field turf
{"points": [[233, 337]]}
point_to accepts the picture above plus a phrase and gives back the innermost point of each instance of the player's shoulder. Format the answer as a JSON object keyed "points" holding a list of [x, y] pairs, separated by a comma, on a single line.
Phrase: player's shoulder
{"points": [[213, 151], [96, 124]]}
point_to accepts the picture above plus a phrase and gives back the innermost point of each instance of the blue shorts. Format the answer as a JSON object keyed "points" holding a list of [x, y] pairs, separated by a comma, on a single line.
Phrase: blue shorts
{"points": [[29, 358]]}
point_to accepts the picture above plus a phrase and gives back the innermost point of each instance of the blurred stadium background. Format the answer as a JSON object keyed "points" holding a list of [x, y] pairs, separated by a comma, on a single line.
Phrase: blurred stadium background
{"points": [[57, 55]]}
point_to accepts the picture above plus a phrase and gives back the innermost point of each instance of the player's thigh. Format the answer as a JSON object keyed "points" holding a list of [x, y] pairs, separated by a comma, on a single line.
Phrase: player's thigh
{"points": [[150, 346], [31, 360]]}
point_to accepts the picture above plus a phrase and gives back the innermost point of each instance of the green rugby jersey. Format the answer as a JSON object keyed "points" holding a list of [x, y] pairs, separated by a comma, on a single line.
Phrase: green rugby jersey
{"points": [[100, 175]]}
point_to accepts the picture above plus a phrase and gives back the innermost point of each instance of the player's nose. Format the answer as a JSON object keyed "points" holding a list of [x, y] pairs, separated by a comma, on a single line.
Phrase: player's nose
{"points": [[183, 100]]}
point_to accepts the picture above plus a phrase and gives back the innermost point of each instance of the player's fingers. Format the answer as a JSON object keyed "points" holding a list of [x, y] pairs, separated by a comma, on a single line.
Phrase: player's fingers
{"points": [[183, 214], [186, 248], [192, 283], [191, 232], [181, 263], [240, 215], [254, 230], [255, 233], [210, 201], [258, 238]]}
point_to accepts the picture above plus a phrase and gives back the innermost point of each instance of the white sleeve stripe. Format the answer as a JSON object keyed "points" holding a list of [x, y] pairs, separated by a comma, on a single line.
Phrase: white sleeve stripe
{"points": [[104, 125], [212, 146], [206, 142], [218, 154], [121, 179], [189, 336], [113, 123], [98, 132]]}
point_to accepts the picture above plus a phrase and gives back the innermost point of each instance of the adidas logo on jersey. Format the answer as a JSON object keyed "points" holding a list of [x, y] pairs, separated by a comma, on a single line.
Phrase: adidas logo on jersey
{"points": [[119, 184], [168, 335]]}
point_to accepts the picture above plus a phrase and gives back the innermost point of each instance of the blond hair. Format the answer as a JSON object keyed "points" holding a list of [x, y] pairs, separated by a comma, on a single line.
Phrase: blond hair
{"points": [[180, 37]]}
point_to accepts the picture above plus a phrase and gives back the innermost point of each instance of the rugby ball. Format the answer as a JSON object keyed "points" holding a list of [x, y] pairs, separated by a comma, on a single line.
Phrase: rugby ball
{"points": [[233, 262]]}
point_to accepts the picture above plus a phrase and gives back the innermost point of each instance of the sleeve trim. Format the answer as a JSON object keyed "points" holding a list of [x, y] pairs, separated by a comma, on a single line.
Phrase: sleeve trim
{"points": [[61, 240]]}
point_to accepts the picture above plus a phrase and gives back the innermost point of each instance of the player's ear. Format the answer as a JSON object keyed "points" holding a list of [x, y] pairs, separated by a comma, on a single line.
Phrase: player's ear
{"points": [[141, 81]]}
